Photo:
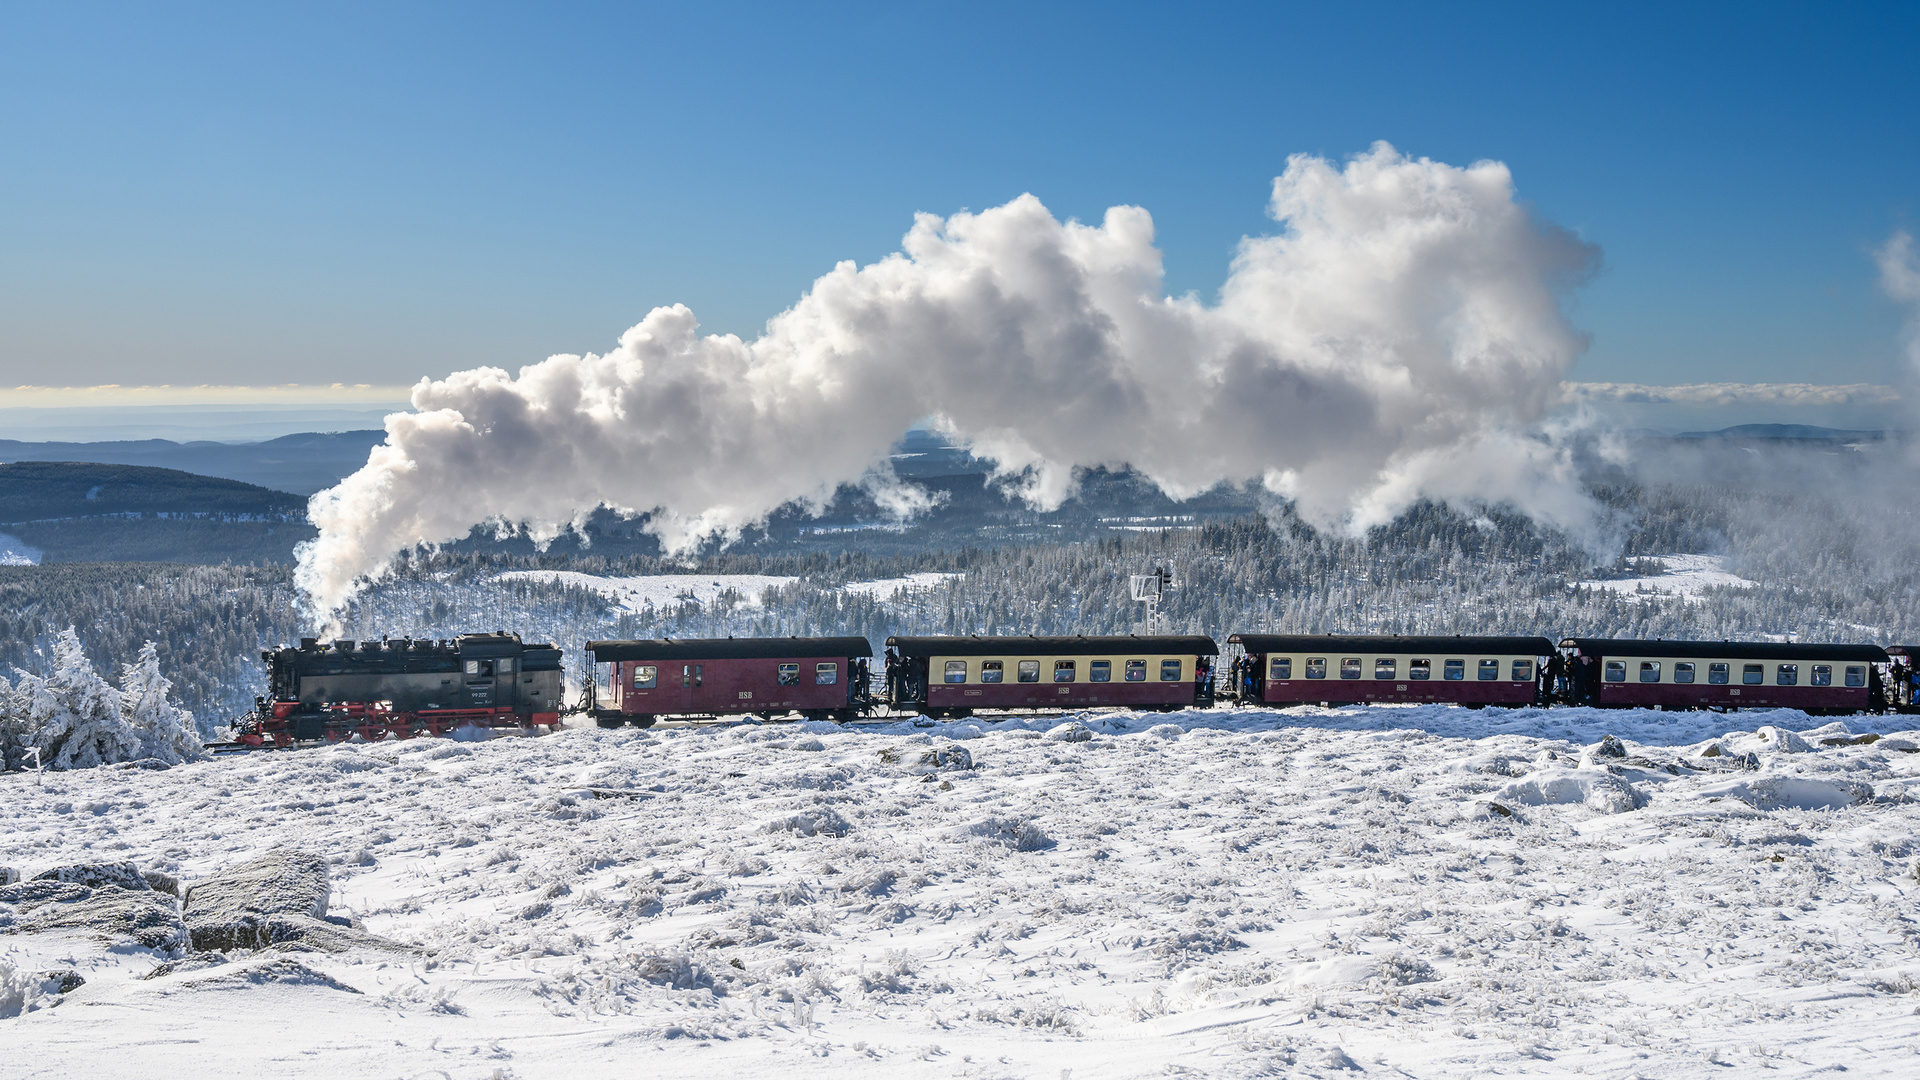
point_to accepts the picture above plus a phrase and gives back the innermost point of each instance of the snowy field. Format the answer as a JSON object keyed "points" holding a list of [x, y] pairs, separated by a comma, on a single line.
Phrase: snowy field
{"points": [[1389, 891], [664, 591], [1687, 577]]}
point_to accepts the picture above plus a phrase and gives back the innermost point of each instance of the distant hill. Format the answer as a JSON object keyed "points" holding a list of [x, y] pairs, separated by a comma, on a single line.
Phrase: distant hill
{"points": [[302, 464], [1789, 433], [50, 490], [92, 512]]}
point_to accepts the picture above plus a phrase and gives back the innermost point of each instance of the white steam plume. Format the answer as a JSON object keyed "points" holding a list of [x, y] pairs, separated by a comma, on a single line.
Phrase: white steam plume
{"points": [[1900, 277], [1393, 342]]}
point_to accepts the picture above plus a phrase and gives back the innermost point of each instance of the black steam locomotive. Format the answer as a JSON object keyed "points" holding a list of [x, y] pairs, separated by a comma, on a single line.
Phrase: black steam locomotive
{"points": [[402, 687]]}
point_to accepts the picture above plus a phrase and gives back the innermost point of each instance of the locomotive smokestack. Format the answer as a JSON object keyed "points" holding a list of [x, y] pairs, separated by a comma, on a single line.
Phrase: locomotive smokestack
{"points": [[1395, 340]]}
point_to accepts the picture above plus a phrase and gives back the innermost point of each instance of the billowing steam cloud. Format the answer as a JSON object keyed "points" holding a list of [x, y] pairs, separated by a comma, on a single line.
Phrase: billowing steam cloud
{"points": [[1900, 277], [1394, 341]]}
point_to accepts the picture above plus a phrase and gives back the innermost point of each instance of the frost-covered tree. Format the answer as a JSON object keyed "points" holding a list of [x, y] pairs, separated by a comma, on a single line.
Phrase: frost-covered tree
{"points": [[13, 729], [73, 716], [166, 731]]}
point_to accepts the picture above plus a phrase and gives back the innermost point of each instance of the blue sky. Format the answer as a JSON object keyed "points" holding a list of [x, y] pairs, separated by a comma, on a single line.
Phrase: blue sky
{"points": [[233, 194]]}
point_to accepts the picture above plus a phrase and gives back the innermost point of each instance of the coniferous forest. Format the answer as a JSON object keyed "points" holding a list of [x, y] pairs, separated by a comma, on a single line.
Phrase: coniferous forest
{"points": [[1823, 561]]}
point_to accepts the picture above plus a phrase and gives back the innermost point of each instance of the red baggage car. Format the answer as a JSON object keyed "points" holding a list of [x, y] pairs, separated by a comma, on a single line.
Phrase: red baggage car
{"points": [[820, 678]]}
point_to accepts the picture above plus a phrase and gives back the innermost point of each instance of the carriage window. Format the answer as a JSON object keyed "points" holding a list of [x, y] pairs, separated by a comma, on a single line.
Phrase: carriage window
{"points": [[789, 674], [1419, 670], [1280, 667], [1454, 670], [1350, 667], [1717, 674], [1683, 671], [1856, 675], [1489, 670], [1029, 671], [1063, 670], [1649, 671], [1787, 675], [1753, 674], [1136, 671], [690, 675], [826, 674], [993, 671], [1616, 671], [1822, 675], [1523, 671], [1316, 667], [1099, 671], [646, 676], [956, 671], [1384, 669], [1169, 671]]}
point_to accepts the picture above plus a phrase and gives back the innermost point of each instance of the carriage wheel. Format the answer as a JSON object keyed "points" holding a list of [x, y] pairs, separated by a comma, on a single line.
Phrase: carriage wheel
{"points": [[641, 720]]}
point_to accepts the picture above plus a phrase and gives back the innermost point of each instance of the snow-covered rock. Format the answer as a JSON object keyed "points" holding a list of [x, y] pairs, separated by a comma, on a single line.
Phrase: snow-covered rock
{"points": [[118, 916], [124, 875], [1778, 792], [1599, 791], [280, 896], [1071, 731]]}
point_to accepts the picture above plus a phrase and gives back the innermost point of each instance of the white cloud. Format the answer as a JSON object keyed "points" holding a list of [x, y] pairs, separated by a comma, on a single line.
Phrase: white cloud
{"points": [[1900, 277], [1393, 341]]}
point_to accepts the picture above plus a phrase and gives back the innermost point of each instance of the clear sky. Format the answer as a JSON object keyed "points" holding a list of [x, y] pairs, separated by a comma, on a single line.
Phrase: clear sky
{"points": [[251, 194]]}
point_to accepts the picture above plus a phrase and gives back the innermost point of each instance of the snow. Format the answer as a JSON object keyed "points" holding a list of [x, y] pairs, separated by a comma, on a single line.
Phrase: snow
{"points": [[17, 552], [884, 588], [663, 591], [1422, 890], [1687, 577], [660, 591]]}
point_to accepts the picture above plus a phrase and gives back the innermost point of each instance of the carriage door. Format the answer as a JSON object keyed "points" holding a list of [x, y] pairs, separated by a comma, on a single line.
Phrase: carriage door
{"points": [[693, 678], [506, 682]]}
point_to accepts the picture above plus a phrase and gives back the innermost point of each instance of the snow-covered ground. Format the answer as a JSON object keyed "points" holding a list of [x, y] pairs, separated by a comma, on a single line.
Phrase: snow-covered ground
{"points": [[884, 588], [659, 590], [1687, 577], [1389, 891], [17, 552]]}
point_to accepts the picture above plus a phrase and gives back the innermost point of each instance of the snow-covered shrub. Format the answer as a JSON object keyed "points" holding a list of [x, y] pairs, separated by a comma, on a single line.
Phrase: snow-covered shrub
{"points": [[166, 731], [17, 990]]}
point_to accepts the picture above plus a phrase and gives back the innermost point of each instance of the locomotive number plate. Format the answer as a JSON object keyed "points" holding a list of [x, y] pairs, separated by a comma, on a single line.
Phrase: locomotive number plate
{"points": [[746, 695]]}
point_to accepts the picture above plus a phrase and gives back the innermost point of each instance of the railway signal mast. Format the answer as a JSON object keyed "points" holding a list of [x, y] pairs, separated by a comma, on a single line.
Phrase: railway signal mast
{"points": [[1147, 589]]}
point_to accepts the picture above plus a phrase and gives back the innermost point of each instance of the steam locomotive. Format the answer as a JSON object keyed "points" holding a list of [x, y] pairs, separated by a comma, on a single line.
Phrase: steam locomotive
{"points": [[402, 688]]}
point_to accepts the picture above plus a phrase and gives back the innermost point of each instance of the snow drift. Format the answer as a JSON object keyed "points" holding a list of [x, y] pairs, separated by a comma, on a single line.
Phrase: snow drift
{"points": [[1394, 341]]}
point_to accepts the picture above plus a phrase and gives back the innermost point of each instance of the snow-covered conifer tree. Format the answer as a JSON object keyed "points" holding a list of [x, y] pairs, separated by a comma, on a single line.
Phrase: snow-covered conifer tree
{"points": [[166, 731], [73, 715], [13, 729]]}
